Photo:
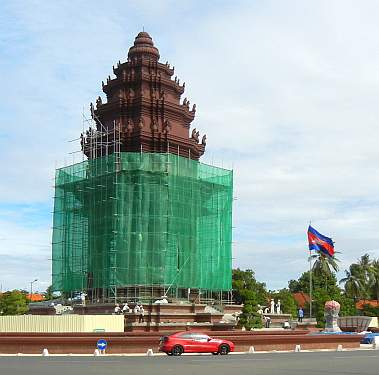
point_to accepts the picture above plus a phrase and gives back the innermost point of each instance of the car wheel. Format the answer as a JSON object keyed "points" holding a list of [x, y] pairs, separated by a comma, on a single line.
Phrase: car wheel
{"points": [[224, 349], [177, 350]]}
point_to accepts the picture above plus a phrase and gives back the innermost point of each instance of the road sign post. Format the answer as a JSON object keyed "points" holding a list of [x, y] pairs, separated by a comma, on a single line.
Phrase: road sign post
{"points": [[102, 345]]}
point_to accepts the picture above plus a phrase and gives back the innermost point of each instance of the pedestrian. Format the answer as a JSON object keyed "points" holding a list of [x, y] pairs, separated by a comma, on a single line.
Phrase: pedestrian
{"points": [[141, 314], [267, 321], [300, 315]]}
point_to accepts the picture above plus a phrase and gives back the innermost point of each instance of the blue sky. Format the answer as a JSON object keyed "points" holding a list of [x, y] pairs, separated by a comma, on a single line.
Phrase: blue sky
{"points": [[285, 91]]}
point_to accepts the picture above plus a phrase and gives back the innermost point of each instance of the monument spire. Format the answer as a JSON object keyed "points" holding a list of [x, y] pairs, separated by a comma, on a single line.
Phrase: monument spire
{"points": [[144, 103]]}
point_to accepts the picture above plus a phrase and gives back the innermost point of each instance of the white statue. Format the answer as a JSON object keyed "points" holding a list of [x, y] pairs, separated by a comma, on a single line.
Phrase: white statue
{"points": [[272, 306], [260, 310], [83, 298], [266, 310], [278, 307]]}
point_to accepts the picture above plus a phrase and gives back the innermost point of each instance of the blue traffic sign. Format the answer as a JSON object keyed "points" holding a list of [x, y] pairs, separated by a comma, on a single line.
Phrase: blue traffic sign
{"points": [[102, 344]]}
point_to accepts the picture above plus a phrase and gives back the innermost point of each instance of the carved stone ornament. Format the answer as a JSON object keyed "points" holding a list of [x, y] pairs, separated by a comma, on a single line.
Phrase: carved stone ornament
{"points": [[332, 309]]}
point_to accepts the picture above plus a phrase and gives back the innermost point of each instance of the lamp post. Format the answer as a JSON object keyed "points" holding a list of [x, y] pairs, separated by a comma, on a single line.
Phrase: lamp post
{"points": [[31, 288]]}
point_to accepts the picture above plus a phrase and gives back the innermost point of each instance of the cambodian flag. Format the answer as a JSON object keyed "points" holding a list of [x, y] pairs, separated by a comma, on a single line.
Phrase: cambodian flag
{"points": [[319, 242]]}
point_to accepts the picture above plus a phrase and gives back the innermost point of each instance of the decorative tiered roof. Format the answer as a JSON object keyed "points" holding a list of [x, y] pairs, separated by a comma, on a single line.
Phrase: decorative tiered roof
{"points": [[144, 108]]}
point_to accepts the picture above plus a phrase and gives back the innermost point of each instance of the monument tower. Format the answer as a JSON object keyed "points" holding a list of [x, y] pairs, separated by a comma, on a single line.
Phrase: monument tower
{"points": [[142, 217]]}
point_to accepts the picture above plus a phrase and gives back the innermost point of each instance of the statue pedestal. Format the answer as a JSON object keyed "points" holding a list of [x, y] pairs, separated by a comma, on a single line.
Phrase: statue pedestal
{"points": [[277, 320]]}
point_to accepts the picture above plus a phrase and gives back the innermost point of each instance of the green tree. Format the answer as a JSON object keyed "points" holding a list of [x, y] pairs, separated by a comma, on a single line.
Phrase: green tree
{"points": [[49, 293], [374, 271], [325, 288], [369, 310], [246, 287], [324, 264], [355, 282], [13, 303], [251, 293], [249, 317], [362, 279], [287, 302]]}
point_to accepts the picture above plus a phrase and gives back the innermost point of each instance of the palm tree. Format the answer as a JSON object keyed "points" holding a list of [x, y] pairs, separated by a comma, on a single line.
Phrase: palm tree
{"points": [[375, 278], [324, 264], [355, 282], [362, 278]]}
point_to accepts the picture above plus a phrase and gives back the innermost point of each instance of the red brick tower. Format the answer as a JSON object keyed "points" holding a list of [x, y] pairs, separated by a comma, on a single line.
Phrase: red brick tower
{"points": [[143, 107]]}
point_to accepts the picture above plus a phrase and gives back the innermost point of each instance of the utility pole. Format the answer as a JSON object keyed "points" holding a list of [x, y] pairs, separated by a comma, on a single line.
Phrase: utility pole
{"points": [[31, 288]]}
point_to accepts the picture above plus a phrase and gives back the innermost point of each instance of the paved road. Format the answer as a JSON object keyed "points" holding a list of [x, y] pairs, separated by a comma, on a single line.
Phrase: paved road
{"points": [[324, 363]]}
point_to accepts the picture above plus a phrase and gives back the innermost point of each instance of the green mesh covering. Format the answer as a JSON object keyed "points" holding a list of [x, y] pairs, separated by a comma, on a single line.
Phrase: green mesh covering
{"points": [[142, 219]]}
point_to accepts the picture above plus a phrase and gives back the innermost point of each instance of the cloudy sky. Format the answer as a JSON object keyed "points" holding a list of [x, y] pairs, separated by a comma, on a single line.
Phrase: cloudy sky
{"points": [[286, 92]]}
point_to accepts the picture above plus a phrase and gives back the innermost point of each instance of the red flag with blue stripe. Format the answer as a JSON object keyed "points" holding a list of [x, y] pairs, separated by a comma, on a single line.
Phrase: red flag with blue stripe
{"points": [[319, 242]]}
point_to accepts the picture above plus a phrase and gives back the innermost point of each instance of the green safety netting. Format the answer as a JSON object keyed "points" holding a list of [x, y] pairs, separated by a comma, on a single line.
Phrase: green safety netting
{"points": [[142, 219]]}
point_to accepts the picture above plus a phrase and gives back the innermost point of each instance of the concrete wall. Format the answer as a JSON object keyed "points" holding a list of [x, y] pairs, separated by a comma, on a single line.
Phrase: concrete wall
{"points": [[63, 323], [141, 342]]}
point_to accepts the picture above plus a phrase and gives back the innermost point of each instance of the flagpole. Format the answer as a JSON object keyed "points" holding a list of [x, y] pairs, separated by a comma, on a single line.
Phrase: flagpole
{"points": [[310, 284], [310, 279]]}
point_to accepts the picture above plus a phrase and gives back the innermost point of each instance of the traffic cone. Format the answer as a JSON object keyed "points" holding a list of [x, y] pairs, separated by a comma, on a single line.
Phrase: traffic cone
{"points": [[96, 353], [45, 353], [149, 352], [251, 349]]}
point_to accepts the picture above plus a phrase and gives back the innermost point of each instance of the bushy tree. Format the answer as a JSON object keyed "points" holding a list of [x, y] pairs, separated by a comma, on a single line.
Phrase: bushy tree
{"points": [[246, 287], [362, 279], [250, 293], [13, 303], [325, 288], [287, 302], [369, 310]]}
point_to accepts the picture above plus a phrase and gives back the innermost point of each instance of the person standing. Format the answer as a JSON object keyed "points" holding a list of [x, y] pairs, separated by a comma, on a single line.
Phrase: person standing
{"points": [[141, 314], [300, 315], [267, 320]]}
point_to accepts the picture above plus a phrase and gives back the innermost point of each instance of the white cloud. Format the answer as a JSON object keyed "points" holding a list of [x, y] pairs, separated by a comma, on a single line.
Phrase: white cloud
{"points": [[286, 92]]}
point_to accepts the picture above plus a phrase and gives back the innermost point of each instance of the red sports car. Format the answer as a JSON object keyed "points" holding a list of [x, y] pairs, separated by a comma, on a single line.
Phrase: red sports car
{"points": [[191, 342]]}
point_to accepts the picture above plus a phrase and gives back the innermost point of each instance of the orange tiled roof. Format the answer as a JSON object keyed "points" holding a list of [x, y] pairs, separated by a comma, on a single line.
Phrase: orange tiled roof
{"points": [[301, 298], [372, 302], [35, 297]]}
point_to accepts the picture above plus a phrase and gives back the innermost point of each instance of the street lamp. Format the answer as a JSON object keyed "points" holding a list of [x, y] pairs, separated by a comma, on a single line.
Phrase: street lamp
{"points": [[31, 288]]}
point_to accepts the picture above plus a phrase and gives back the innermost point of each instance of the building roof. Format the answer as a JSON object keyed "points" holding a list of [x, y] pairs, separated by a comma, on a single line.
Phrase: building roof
{"points": [[301, 298], [35, 297], [371, 302]]}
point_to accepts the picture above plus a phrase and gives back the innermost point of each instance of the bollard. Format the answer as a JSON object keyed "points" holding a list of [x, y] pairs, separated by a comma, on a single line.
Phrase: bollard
{"points": [[149, 352], [96, 353], [297, 348], [45, 353], [375, 344], [339, 348], [251, 349]]}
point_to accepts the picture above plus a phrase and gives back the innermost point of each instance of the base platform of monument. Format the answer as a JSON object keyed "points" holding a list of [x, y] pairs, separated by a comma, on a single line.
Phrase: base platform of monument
{"points": [[278, 320], [168, 317], [140, 342]]}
